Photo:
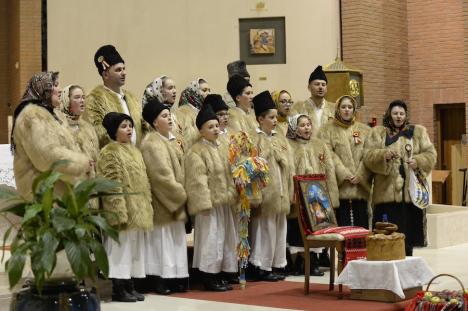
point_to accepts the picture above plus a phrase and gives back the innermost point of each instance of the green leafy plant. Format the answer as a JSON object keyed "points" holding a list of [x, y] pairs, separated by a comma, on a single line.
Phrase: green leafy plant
{"points": [[51, 223]]}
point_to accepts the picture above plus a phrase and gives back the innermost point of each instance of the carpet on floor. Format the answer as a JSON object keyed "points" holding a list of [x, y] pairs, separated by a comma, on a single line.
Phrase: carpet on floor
{"points": [[290, 295]]}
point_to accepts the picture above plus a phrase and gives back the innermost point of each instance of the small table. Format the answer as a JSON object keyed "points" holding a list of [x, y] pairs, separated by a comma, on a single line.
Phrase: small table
{"points": [[395, 276]]}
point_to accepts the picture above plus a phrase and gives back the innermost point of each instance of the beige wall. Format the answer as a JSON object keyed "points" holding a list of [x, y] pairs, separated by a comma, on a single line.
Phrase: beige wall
{"points": [[186, 39]]}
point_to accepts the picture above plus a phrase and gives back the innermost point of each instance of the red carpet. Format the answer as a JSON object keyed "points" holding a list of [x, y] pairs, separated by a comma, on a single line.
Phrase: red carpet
{"points": [[290, 295]]}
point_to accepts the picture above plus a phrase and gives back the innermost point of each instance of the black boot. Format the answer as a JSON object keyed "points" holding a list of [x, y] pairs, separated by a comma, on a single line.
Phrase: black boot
{"points": [[314, 265], [178, 285], [160, 286], [211, 283], [231, 277], [119, 293], [130, 288], [298, 268], [324, 259], [223, 280]]}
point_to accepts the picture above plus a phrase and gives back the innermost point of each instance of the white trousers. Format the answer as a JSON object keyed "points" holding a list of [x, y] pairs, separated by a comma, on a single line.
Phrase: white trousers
{"points": [[127, 259], [166, 251], [215, 241], [268, 239]]}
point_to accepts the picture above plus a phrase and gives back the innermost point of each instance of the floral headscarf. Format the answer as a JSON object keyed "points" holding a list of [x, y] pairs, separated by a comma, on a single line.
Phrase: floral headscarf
{"points": [[38, 92], [338, 119], [276, 95], [154, 90], [192, 95], [292, 126]]}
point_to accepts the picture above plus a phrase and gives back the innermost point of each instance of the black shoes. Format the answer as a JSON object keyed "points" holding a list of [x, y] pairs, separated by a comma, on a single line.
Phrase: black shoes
{"points": [[161, 285], [130, 288], [314, 265], [120, 293], [324, 259], [178, 285], [212, 282]]}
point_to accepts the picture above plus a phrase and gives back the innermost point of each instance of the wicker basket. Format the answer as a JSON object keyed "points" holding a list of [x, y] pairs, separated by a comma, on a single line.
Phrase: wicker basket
{"points": [[446, 300]]}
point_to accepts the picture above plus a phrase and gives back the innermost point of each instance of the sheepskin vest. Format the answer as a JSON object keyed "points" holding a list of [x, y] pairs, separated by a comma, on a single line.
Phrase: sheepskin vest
{"points": [[347, 146], [314, 157], [124, 163], [276, 196], [164, 165], [101, 101], [241, 121], [40, 141], [309, 108], [208, 181], [186, 116], [389, 185]]}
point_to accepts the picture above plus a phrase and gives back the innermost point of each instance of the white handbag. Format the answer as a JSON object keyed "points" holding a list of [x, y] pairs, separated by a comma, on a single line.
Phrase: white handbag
{"points": [[418, 186]]}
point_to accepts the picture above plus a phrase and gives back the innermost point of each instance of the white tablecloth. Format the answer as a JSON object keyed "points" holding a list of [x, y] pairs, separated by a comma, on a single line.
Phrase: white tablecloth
{"points": [[395, 275], [6, 166]]}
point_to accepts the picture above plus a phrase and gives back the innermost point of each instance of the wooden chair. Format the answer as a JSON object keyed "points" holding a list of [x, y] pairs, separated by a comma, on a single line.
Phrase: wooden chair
{"points": [[335, 242]]}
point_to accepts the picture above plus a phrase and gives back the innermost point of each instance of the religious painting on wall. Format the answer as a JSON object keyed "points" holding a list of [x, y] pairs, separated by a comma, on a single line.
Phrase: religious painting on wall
{"points": [[262, 41]]}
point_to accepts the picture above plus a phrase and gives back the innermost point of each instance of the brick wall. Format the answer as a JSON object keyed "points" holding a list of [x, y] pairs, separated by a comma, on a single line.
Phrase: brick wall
{"points": [[414, 50], [20, 53], [4, 77], [436, 57], [375, 41]]}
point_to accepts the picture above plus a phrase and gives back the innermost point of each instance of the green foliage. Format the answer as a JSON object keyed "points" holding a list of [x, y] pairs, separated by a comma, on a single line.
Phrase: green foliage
{"points": [[51, 223]]}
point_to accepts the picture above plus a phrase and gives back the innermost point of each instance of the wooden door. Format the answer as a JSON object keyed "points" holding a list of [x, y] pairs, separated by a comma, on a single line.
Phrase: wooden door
{"points": [[450, 120]]}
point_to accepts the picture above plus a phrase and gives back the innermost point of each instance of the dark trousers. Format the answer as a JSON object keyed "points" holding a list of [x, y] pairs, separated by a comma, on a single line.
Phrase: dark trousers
{"points": [[410, 220], [352, 213]]}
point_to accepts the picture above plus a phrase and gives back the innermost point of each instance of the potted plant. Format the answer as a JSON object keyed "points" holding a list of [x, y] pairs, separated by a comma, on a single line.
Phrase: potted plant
{"points": [[58, 219]]}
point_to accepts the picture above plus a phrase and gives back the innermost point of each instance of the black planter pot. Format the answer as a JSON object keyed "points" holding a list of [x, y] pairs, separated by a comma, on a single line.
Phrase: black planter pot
{"points": [[57, 295]]}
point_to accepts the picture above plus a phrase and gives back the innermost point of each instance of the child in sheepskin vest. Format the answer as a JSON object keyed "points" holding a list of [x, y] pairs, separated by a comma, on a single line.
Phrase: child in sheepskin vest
{"points": [[132, 214], [211, 193], [166, 246], [269, 225]]}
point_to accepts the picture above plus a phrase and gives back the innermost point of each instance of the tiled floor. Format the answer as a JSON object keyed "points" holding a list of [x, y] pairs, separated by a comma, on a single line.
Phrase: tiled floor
{"points": [[452, 260]]}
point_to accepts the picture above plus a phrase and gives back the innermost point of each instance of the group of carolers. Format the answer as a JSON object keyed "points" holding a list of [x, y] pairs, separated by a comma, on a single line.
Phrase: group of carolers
{"points": [[176, 160]]}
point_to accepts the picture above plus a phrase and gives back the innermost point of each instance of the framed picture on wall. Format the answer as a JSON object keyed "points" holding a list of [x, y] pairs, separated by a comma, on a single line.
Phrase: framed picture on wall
{"points": [[262, 40]]}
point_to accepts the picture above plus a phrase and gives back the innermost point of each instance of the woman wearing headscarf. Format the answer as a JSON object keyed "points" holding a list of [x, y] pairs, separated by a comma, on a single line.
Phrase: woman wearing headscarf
{"points": [[345, 137], [391, 151], [164, 90], [39, 137], [73, 106], [190, 103], [310, 156], [283, 104]]}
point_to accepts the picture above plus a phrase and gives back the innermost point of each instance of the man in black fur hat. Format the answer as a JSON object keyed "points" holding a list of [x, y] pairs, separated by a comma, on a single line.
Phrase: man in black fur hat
{"points": [[316, 107], [110, 97], [235, 68]]}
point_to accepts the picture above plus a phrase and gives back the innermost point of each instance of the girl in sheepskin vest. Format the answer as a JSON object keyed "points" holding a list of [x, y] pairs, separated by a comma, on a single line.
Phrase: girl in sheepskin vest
{"points": [[387, 157], [132, 214], [310, 156], [166, 246], [345, 137]]}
